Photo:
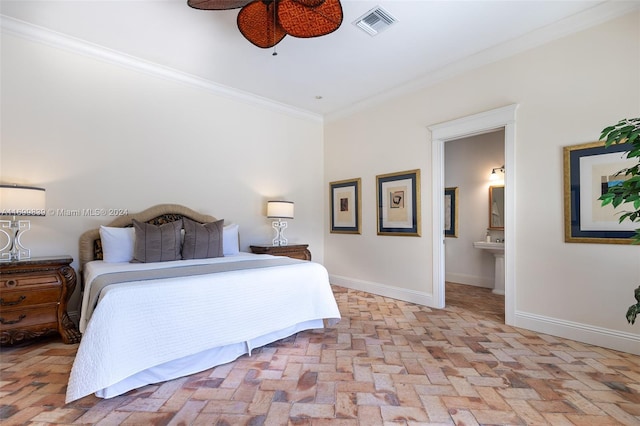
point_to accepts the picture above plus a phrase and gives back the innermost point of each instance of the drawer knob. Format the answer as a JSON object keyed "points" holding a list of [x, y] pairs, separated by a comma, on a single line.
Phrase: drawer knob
{"points": [[15, 302], [11, 283], [8, 322]]}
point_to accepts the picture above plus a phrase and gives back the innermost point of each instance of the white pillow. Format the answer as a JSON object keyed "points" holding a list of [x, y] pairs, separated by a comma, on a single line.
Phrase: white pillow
{"points": [[117, 244], [230, 242]]}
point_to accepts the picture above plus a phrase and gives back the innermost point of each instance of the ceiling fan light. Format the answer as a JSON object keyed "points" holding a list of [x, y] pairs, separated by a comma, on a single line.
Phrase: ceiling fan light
{"points": [[303, 21], [217, 4], [257, 23]]}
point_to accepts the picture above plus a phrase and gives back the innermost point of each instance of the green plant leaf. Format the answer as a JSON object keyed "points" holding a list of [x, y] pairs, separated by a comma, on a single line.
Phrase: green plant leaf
{"points": [[628, 191], [633, 153]]}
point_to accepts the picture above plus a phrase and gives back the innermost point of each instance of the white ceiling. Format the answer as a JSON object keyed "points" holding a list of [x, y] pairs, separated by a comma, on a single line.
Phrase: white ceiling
{"points": [[348, 67]]}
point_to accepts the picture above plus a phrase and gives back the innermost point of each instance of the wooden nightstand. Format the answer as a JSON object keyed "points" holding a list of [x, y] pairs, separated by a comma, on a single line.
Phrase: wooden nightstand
{"points": [[33, 299], [296, 251]]}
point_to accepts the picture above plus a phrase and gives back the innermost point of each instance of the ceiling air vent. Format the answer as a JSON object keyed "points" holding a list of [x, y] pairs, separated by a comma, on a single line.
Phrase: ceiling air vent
{"points": [[375, 21]]}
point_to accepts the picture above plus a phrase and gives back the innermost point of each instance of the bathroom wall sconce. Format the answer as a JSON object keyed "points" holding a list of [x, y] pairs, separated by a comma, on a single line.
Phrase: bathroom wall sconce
{"points": [[494, 175], [280, 210], [17, 200]]}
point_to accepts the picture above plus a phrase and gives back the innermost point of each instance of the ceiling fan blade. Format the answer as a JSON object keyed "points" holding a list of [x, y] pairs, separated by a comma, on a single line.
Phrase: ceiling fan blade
{"points": [[310, 3], [299, 20], [257, 22], [217, 4]]}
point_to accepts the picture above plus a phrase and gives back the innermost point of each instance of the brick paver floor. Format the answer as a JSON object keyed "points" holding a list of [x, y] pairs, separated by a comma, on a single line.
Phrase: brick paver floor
{"points": [[386, 362]]}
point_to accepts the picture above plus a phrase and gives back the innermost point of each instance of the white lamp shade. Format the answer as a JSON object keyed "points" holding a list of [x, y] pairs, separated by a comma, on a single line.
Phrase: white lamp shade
{"points": [[280, 209], [16, 200]]}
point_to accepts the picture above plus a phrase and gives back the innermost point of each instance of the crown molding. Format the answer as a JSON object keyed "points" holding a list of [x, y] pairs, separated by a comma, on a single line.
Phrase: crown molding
{"points": [[596, 15], [78, 46]]}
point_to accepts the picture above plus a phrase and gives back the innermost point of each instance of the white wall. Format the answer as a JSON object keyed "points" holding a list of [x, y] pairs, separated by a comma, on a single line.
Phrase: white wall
{"points": [[381, 140], [97, 135], [568, 90], [468, 163]]}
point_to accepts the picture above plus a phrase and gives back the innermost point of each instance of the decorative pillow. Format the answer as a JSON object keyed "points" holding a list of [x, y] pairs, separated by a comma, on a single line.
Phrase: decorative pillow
{"points": [[202, 240], [117, 244], [230, 242], [157, 243]]}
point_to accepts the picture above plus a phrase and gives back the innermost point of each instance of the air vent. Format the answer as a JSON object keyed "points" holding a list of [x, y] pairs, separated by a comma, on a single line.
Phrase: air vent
{"points": [[375, 21]]}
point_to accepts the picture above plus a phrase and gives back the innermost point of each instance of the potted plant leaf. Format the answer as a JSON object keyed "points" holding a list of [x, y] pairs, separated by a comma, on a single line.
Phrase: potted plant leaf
{"points": [[626, 131]]}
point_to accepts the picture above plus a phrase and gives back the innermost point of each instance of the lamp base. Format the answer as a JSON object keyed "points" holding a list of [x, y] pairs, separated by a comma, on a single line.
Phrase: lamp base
{"points": [[279, 226], [13, 250]]}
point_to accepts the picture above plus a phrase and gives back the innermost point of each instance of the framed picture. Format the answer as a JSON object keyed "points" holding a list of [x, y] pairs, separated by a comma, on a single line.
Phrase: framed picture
{"points": [[451, 212], [589, 170], [345, 206], [398, 199]]}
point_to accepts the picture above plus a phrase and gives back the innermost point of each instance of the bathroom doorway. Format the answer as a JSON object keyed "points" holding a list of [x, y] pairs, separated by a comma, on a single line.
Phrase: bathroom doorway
{"points": [[474, 172], [477, 124]]}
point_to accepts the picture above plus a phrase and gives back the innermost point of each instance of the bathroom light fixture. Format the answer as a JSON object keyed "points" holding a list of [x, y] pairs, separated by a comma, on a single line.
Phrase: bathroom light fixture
{"points": [[494, 175], [280, 210], [17, 200]]}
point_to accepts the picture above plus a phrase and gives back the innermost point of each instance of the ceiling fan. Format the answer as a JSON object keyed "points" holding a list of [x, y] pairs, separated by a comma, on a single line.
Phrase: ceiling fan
{"points": [[266, 22]]}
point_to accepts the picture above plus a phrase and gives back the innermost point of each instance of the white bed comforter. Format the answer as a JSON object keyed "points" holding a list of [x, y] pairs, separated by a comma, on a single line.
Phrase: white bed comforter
{"points": [[142, 324]]}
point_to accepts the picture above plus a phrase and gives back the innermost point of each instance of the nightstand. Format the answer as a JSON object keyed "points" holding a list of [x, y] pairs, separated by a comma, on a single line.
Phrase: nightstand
{"points": [[296, 251], [33, 299]]}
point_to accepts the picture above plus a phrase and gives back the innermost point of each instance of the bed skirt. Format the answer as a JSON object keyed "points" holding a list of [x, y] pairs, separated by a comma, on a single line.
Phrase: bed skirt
{"points": [[201, 361]]}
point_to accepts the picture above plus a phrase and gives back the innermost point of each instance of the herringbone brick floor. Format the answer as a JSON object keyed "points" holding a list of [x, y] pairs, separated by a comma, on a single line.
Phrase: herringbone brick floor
{"points": [[386, 363]]}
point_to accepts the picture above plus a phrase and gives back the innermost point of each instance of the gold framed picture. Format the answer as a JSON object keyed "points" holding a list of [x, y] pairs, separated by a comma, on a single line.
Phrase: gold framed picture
{"points": [[589, 170], [345, 206], [451, 212], [398, 199]]}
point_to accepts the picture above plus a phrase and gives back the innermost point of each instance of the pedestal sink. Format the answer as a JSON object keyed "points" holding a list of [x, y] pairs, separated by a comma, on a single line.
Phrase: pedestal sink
{"points": [[497, 249]]}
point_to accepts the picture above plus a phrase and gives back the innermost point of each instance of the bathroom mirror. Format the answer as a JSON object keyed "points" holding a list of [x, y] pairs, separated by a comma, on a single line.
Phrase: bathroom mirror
{"points": [[496, 207]]}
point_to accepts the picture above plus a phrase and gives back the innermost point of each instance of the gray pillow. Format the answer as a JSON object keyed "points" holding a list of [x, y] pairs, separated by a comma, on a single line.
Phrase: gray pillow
{"points": [[156, 243], [202, 240]]}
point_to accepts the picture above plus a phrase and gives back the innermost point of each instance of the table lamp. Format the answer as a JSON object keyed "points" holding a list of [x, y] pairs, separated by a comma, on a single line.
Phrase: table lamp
{"points": [[17, 200], [279, 210]]}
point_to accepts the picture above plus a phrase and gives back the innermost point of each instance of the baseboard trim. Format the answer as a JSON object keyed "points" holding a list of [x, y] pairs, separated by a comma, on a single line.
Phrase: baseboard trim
{"points": [[604, 337], [612, 339], [385, 290], [474, 280]]}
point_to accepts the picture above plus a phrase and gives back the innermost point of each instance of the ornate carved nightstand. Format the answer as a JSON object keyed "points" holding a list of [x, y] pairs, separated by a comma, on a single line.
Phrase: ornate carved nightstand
{"points": [[33, 299]]}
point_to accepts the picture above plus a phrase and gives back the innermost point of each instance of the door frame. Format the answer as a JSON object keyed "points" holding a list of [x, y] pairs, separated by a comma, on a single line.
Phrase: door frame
{"points": [[484, 122]]}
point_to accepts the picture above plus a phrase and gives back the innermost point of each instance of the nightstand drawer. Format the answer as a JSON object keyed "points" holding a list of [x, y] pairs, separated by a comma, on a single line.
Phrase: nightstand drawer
{"points": [[23, 297], [33, 299], [30, 280], [41, 315]]}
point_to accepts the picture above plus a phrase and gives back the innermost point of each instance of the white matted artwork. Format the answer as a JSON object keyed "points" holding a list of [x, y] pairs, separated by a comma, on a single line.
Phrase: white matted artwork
{"points": [[451, 212], [597, 174], [345, 206], [589, 171], [398, 199]]}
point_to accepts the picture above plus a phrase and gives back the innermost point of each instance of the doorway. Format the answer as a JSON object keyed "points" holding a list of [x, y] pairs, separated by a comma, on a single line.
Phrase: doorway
{"points": [[468, 166], [464, 127]]}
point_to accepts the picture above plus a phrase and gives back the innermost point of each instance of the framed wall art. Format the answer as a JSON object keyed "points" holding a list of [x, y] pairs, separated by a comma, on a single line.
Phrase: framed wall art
{"points": [[398, 200], [345, 206], [451, 212], [589, 170]]}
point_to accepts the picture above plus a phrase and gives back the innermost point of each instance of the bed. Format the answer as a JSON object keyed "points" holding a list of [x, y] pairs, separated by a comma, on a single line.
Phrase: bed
{"points": [[154, 319]]}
